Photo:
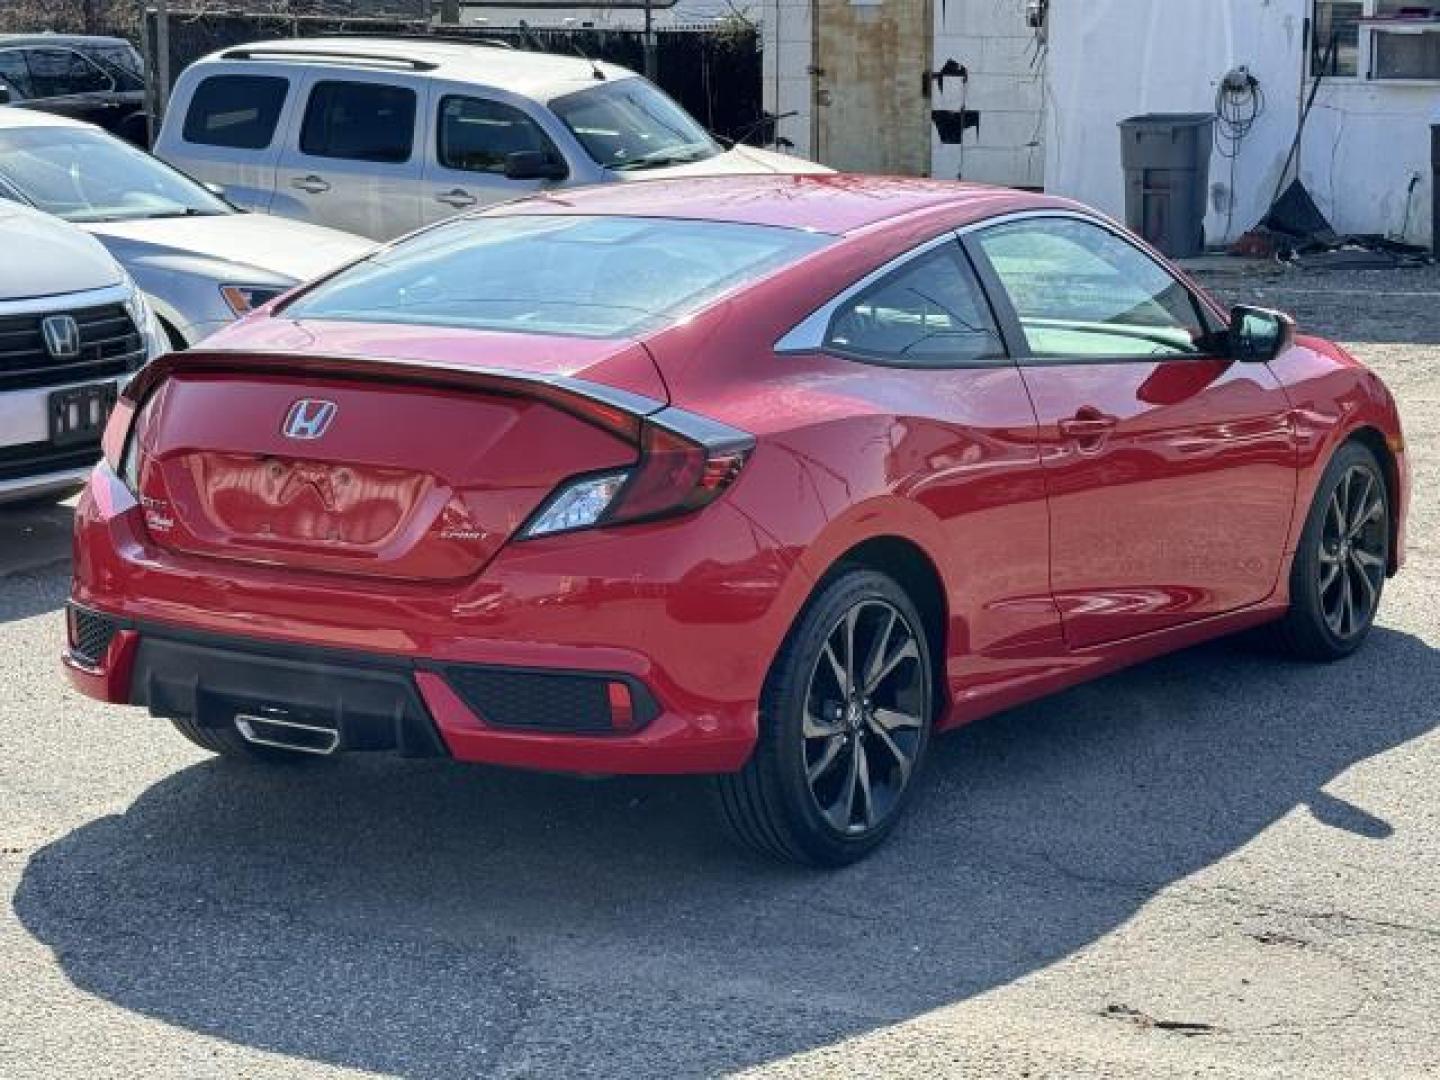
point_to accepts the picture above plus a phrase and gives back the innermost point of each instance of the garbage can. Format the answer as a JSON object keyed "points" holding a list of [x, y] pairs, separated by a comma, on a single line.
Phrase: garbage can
{"points": [[1166, 157]]}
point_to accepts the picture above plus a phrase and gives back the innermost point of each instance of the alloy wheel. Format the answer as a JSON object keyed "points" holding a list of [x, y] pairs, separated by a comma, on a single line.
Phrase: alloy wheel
{"points": [[864, 722], [1352, 557]]}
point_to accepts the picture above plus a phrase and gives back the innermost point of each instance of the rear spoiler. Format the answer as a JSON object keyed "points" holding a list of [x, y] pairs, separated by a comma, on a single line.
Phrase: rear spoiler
{"points": [[620, 412]]}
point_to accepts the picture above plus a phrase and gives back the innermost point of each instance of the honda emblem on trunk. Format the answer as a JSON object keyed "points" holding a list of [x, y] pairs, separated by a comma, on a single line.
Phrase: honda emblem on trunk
{"points": [[62, 336], [309, 418]]}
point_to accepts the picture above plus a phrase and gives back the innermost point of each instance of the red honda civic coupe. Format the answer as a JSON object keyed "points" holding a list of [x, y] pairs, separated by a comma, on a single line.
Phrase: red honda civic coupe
{"points": [[765, 478]]}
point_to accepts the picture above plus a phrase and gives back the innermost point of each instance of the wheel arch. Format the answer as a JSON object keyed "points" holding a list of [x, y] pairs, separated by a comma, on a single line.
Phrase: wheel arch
{"points": [[1373, 439], [912, 568]]}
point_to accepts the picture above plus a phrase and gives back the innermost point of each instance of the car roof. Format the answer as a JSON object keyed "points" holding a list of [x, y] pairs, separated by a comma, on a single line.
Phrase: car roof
{"points": [[539, 75], [11, 117], [70, 40], [836, 203]]}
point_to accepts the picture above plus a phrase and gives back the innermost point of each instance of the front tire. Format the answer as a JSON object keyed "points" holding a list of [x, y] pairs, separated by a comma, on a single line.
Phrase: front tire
{"points": [[845, 718], [1340, 565]]}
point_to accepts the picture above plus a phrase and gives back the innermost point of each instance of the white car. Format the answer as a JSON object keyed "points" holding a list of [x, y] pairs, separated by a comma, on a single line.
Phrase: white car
{"points": [[201, 262], [382, 136], [73, 329]]}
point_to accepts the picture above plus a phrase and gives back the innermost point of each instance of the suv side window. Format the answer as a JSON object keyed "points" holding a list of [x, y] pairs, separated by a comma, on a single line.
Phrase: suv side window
{"points": [[14, 73], [931, 312], [476, 134], [1081, 291], [359, 121], [61, 72], [237, 111]]}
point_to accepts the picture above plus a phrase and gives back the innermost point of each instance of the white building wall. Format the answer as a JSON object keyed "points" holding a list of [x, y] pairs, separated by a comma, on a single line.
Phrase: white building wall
{"points": [[987, 37], [1007, 77], [785, 40], [1109, 59]]}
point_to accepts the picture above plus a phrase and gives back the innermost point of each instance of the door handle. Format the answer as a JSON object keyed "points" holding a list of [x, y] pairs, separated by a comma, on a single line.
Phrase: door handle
{"points": [[459, 198], [312, 183], [1089, 427]]}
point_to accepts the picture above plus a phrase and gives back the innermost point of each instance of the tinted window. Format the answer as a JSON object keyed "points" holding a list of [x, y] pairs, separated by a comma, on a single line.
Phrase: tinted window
{"points": [[584, 276], [13, 71], [931, 312], [58, 72], [121, 62], [630, 124], [359, 122], [240, 111], [1080, 290], [477, 134]]}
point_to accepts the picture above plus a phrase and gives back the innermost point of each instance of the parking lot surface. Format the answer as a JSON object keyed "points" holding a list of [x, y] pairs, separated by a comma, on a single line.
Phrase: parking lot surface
{"points": [[1216, 864]]}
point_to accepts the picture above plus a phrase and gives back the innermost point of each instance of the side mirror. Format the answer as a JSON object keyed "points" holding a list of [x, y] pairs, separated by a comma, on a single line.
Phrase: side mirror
{"points": [[4, 94], [533, 165], [1258, 335]]}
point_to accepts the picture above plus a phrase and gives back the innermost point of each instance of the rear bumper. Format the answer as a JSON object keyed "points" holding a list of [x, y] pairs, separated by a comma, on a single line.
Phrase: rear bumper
{"points": [[375, 702], [685, 615]]}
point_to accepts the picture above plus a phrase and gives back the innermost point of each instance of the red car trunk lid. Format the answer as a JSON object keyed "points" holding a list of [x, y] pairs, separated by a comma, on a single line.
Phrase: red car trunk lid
{"points": [[392, 476]]}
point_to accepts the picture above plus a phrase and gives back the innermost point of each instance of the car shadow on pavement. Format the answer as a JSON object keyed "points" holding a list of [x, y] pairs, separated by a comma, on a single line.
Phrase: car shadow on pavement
{"points": [[422, 918]]}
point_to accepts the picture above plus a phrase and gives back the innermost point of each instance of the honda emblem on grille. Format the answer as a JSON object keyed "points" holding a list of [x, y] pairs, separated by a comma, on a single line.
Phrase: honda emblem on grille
{"points": [[62, 336], [309, 418]]}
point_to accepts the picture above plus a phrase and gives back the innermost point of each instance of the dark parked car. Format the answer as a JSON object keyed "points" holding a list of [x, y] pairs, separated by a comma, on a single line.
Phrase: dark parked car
{"points": [[98, 79]]}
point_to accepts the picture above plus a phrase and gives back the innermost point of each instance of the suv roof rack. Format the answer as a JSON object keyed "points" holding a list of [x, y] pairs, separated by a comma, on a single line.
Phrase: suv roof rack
{"points": [[281, 52], [417, 35]]}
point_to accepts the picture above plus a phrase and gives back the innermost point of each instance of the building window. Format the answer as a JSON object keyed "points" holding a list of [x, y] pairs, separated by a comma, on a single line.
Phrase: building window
{"points": [[1337, 28], [1406, 56]]}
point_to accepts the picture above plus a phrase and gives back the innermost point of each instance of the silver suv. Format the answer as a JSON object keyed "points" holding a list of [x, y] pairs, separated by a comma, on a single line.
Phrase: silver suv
{"points": [[382, 136], [73, 328]]}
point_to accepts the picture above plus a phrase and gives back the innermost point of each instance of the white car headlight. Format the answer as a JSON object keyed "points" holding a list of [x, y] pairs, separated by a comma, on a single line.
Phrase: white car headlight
{"points": [[143, 316]]}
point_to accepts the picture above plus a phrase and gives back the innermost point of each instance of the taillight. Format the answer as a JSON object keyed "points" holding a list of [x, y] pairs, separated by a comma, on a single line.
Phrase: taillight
{"points": [[686, 462], [121, 441], [675, 475], [117, 431]]}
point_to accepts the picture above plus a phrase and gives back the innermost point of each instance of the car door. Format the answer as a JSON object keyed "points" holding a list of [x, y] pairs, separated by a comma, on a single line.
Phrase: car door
{"points": [[1170, 466], [465, 160], [352, 159], [70, 84], [225, 128], [921, 344]]}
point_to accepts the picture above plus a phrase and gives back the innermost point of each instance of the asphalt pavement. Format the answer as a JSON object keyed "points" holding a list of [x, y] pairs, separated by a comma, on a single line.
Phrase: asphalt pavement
{"points": [[1217, 864]]}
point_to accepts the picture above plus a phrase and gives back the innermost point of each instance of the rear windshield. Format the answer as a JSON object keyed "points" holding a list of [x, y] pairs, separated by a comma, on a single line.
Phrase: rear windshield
{"points": [[583, 276]]}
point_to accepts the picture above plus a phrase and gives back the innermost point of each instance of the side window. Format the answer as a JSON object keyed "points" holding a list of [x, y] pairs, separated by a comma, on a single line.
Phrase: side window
{"points": [[359, 121], [60, 72], [930, 312], [1081, 291], [238, 111], [476, 134], [14, 73]]}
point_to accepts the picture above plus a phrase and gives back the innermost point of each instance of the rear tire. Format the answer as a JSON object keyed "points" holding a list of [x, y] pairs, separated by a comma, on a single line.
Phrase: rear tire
{"points": [[845, 718], [1338, 576], [229, 743]]}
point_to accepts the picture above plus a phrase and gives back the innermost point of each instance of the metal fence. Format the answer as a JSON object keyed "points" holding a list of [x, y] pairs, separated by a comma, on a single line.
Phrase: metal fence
{"points": [[713, 72]]}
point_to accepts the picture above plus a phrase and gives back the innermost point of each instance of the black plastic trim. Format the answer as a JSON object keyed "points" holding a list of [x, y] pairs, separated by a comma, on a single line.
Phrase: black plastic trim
{"points": [[371, 698]]}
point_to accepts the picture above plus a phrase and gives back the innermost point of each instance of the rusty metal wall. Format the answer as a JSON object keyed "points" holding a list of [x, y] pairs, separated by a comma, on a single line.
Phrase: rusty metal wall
{"points": [[872, 112]]}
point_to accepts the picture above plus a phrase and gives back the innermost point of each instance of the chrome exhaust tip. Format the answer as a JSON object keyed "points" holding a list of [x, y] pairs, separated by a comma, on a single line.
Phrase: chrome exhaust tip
{"points": [[281, 734]]}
